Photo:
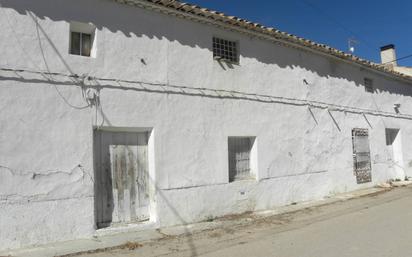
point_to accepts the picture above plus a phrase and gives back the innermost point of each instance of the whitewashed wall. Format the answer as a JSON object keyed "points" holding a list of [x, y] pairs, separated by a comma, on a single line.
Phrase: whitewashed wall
{"points": [[46, 136]]}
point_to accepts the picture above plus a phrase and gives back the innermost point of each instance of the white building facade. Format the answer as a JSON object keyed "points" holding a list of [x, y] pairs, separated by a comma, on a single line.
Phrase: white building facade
{"points": [[148, 114]]}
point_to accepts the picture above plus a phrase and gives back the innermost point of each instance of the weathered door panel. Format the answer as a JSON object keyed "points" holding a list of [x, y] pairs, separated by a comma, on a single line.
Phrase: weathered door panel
{"points": [[123, 171], [142, 178], [121, 178]]}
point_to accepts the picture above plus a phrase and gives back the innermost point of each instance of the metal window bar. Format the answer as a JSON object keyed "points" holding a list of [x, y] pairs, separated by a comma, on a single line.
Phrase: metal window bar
{"points": [[239, 157], [368, 85], [225, 50]]}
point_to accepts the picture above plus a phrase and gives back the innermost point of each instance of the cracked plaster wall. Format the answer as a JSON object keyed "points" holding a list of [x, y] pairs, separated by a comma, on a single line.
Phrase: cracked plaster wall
{"points": [[46, 126]]}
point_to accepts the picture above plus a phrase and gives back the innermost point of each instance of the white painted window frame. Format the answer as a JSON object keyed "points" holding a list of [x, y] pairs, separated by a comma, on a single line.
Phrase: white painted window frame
{"points": [[84, 28]]}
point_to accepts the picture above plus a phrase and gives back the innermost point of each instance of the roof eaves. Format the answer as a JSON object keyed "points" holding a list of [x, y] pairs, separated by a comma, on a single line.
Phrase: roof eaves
{"points": [[272, 33]]}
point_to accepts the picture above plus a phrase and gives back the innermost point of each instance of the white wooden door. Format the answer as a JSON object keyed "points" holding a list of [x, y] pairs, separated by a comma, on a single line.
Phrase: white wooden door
{"points": [[122, 194]]}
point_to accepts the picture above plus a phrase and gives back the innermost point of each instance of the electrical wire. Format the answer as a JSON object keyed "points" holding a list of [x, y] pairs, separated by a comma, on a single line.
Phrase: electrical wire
{"points": [[330, 18], [401, 58], [316, 8], [222, 93], [46, 75], [41, 72]]}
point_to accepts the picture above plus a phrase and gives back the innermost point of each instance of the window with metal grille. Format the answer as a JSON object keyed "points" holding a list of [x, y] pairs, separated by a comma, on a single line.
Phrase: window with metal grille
{"points": [[240, 157], [368, 85], [225, 50], [361, 155]]}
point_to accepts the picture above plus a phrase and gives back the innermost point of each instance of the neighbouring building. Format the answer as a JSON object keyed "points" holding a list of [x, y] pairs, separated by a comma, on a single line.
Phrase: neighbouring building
{"points": [[390, 61], [134, 114]]}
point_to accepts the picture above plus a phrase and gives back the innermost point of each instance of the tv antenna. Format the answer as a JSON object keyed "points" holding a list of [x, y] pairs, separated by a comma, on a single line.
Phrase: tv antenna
{"points": [[352, 42]]}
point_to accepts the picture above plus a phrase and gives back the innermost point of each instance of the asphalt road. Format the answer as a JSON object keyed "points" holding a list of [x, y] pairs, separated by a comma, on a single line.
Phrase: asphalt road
{"points": [[374, 226]]}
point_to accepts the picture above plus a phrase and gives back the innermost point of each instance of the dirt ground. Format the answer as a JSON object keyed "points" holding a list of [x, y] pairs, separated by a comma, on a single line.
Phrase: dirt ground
{"points": [[378, 225]]}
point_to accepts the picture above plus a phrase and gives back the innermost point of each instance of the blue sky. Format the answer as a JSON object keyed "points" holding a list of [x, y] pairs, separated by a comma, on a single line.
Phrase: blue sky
{"points": [[372, 23]]}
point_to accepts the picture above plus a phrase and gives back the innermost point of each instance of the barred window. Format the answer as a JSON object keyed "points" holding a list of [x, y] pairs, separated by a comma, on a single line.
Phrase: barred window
{"points": [[225, 50], [368, 85], [361, 155], [239, 157]]}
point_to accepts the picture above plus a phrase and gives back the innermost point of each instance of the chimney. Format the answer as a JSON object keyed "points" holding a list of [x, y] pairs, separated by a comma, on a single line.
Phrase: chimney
{"points": [[388, 56]]}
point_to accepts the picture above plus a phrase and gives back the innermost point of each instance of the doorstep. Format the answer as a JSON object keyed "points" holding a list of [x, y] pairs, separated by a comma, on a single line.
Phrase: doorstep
{"points": [[115, 238], [125, 228]]}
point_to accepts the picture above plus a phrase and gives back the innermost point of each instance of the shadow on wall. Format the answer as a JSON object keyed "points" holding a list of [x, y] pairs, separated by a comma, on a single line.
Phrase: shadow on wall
{"points": [[104, 14]]}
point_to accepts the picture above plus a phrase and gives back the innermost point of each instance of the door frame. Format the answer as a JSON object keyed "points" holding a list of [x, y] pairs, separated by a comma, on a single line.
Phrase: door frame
{"points": [[395, 149], [151, 168]]}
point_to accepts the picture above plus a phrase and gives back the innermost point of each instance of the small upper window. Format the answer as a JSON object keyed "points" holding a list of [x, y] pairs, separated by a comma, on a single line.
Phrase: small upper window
{"points": [[81, 43], [82, 37], [225, 50], [368, 85]]}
